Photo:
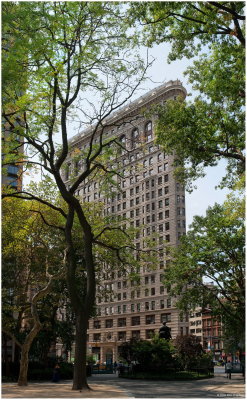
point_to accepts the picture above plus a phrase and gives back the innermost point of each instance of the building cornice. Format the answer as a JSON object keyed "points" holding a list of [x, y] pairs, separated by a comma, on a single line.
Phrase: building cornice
{"points": [[136, 105]]}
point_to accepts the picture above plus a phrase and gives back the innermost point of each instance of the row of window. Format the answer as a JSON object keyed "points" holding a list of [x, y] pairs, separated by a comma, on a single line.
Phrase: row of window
{"points": [[145, 185], [122, 309], [122, 335], [135, 137], [137, 293], [134, 142], [136, 179], [136, 156], [121, 322], [161, 168], [136, 334]]}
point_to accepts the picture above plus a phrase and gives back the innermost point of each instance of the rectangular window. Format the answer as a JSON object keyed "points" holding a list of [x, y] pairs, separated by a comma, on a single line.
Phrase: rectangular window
{"points": [[109, 323], [135, 334], [165, 318], [135, 321], [150, 319], [96, 324], [96, 337], [149, 333], [121, 322], [122, 336]]}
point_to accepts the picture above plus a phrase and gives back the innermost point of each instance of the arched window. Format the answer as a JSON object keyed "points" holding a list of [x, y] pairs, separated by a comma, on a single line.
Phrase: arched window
{"points": [[123, 139], [123, 143], [134, 138], [148, 131]]}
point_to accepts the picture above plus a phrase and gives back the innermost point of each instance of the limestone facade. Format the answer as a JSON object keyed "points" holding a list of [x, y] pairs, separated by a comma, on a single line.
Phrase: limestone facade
{"points": [[150, 198]]}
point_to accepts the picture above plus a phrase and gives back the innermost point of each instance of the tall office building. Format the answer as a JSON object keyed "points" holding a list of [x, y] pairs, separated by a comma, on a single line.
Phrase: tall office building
{"points": [[151, 199]]}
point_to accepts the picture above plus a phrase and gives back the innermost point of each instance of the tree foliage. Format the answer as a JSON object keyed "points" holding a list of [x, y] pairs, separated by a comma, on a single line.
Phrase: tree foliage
{"points": [[211, 127], [56, 55], [212, 252], [190, 352], [32, 260], [154, 355]]}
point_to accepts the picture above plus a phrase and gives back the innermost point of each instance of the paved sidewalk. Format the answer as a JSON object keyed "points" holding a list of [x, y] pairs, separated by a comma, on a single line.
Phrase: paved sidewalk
{"points": [[60, 390], [110, 386]]}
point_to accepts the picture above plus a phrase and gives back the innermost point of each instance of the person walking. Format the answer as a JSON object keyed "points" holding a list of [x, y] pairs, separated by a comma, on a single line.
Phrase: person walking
{"points": [[229, 370], [115, 367], [56, 374]]}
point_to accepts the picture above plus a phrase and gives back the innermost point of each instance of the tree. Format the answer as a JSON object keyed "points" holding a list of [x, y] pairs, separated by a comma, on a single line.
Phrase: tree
{"points": [[59, 53], [189, 351], [213, 251], [211, 127], [31, 254], [190, 25], [154, 355]]}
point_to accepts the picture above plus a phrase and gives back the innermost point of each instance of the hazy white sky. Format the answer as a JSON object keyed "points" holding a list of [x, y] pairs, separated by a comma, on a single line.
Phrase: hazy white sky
{"points": [[206, 194], [160, 72]]}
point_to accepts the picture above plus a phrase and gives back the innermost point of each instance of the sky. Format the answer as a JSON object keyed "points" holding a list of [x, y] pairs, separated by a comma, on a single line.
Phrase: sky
{"points": [[206, 194]]}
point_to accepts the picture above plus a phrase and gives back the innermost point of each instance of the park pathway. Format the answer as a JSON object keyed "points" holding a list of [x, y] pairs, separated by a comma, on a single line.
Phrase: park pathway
{"points": [[110, 386]]}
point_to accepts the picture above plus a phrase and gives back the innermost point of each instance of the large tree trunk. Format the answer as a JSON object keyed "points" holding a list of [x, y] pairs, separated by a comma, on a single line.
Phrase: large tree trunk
{"points": [[22, 379], [80, 370]]}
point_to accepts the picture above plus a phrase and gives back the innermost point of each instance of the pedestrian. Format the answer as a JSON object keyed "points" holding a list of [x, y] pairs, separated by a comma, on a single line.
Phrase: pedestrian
{"points": [[56, 374], [115, 367], [229, 370]]}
